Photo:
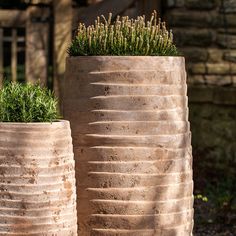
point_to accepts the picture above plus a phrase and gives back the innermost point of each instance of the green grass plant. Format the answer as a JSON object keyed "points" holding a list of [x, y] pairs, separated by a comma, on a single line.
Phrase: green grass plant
{"points": [[27, 103], [124, 37]]}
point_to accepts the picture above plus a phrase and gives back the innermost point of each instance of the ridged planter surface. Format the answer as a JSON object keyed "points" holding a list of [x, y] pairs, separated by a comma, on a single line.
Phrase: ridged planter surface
{"points": [[132, 144], [37, 180]]}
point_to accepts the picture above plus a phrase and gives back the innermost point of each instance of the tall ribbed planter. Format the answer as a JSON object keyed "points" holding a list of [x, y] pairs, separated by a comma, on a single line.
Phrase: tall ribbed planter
{"points": [[132, 144], [37, 180]]}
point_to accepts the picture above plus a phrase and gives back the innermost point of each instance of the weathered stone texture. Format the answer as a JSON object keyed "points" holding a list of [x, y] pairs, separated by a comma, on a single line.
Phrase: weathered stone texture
{"points": [[215, 55], [181, 18], [215, 95], [198, 68], [229, 6], [175, 3], [207, 94], [195, 79], [218, 80], [202, 5], [226, 40], [218, 68], [193, 37], [234, 81], [230, 56], [225, 96], [226, 20], [195, 54]]}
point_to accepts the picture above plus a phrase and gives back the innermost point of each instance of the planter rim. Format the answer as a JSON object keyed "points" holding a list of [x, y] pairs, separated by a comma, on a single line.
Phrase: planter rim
{"points": [[35, 123]]}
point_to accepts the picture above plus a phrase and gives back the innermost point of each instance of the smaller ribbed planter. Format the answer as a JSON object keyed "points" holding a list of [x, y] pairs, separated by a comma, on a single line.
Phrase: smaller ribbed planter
{"points": [[37, 180]]}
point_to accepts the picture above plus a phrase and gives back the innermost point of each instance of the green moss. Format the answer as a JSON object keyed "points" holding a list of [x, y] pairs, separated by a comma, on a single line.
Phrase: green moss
{"points": [[27, 103], [134, 37]]}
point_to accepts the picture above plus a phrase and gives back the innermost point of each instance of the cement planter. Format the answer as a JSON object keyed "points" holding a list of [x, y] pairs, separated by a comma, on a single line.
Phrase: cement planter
{"points": [[132, 144], [37, 180]]}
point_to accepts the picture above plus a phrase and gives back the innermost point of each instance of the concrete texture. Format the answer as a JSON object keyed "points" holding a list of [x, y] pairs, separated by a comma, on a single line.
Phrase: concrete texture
{"points": [[37, 180], [132, 144]]}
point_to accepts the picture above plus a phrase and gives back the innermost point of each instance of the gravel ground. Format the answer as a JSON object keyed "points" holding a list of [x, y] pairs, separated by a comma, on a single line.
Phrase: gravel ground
{"points": [[214, 230], [213, 222]]}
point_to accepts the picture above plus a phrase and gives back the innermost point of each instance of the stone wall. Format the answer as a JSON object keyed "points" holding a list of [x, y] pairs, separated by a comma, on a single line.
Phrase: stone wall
{"points": [[205, 32], [213, 125]]}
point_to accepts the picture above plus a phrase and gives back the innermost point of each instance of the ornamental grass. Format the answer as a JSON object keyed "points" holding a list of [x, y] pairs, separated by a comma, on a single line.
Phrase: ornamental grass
{"points": [[124, 37]]}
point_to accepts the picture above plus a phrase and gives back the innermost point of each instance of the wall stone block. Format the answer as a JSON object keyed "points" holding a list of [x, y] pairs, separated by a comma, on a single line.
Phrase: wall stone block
{"points": [[182, 18], [170, 3], [225, 96], [194, 54], [218, 80], [226, 41], [215, 95], [234, 81], [197, 68], [227, 31], [175, 3], [203, 5], [193, 37], [226, 20], [233, 69], [230, 56], [218, 68], [195, 79], [179, 3], [207, 94], [229, 6], [215, 55]]}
